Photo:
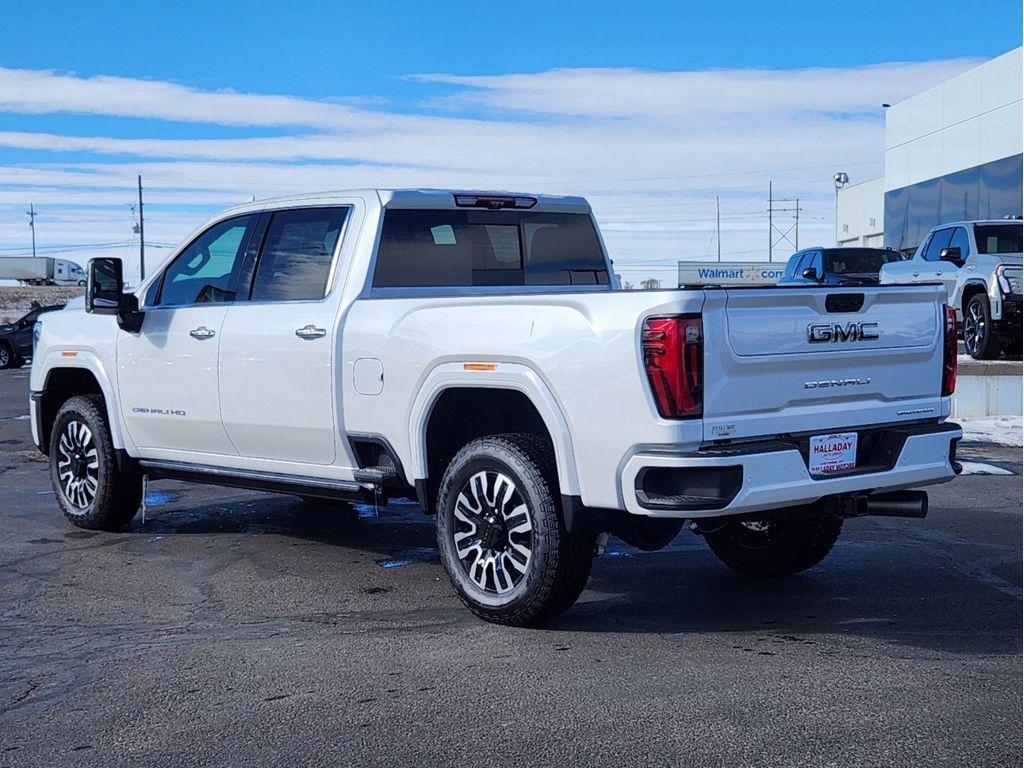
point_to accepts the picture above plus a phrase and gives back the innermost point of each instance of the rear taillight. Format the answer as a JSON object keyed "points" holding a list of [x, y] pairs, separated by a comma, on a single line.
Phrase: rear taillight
{"points": [[673, 353], [949, 353]]}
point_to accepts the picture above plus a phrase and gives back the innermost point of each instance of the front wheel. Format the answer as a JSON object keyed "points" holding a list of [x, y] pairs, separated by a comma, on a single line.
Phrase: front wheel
{"points": [[979, 340], [92, 490], [777, 547], [7, 357], [501, 536]]}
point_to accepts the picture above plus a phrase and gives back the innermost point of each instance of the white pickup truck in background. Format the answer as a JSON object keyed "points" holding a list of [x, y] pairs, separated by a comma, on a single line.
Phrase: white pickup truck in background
{"points": [[979, 263], [469, 350]]}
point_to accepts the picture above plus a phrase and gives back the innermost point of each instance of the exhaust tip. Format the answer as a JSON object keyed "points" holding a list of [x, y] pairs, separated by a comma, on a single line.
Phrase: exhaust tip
{"points": [[897, 504]]}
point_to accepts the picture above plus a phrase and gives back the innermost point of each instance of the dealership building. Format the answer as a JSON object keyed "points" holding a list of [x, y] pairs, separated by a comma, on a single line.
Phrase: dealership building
{"points": [[952, 153]]}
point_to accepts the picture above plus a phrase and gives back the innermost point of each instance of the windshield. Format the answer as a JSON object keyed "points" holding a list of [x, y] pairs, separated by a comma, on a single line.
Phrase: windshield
{"points": [[998, 238], [858, 261]]}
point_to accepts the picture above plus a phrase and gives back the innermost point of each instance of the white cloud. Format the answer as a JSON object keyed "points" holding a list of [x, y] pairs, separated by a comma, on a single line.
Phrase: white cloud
{"points": [[37, 92], [700, 95], [651, 149]]}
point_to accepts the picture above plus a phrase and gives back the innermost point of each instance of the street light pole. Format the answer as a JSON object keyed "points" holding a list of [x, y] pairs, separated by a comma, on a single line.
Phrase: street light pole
{"points": [[839, 180]]}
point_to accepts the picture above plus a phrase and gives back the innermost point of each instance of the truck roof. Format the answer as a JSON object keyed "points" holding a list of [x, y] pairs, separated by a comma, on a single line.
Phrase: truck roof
{"points": [[976, 221], [419, 198]]}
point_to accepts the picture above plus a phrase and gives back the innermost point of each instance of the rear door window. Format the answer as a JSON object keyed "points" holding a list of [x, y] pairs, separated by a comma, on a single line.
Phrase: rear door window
{"points": [[298, 251]]}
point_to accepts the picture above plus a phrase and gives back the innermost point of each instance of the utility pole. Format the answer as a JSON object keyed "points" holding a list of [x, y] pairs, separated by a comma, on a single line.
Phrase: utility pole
{"points": [[788, 229], [718, 227], [142, 237], [32, 225], [797, 243]]}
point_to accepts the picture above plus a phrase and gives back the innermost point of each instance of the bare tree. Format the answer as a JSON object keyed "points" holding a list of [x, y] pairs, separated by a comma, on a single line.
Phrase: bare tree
{"points": [[650, 284]]}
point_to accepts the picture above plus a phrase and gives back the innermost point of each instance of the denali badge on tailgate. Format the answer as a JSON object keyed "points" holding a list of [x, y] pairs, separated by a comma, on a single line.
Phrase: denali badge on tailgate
{"points": [[818, 333]]}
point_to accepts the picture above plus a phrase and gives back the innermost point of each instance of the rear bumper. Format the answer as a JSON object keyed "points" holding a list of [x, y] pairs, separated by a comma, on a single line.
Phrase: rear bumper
{"points": [[750, 477]]}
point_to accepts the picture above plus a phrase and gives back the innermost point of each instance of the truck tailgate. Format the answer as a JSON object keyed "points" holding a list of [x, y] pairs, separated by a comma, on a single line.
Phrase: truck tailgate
{"points": [[789, 360]]}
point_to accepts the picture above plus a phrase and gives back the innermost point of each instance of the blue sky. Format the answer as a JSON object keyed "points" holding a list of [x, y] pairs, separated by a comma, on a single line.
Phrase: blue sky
{"points": [[651, 109]]}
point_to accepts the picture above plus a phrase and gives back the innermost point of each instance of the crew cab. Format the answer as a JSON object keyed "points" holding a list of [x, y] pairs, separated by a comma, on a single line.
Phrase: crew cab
{"points": [[470, 351], [979, 263]]}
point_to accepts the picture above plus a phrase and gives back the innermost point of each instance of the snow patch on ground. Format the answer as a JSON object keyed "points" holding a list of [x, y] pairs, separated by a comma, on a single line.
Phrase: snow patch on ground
{"points": [[980, 468], [1004, 430]]}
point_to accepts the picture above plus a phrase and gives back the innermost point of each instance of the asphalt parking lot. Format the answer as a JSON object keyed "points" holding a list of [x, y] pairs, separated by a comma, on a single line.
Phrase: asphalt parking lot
{"points": [[238, 628]]}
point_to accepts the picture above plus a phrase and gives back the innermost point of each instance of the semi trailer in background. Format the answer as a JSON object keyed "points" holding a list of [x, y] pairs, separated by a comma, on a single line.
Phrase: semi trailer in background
{"points": [[41, 270]]}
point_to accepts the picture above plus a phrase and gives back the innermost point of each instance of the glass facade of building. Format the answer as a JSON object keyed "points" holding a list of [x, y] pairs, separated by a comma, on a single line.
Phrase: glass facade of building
{"points": [[989, 191]]}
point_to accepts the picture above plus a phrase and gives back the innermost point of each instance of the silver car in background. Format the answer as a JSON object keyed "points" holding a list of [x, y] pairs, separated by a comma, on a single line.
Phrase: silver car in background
{"points": [[979, 262]]}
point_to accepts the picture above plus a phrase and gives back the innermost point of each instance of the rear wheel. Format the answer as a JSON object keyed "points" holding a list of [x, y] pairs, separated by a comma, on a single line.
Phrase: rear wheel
{"points": [[7, 356], [93, 492], [979, 340], [777, 547], [501, 536]]}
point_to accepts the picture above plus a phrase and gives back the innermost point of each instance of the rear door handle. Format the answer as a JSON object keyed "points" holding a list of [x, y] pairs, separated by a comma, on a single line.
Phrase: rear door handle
{"points": [[202, 332], [915, 274], [311, 332]]}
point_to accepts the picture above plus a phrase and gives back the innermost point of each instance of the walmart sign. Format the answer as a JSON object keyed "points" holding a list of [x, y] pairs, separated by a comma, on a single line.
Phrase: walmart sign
{"points": [[730, 273]]}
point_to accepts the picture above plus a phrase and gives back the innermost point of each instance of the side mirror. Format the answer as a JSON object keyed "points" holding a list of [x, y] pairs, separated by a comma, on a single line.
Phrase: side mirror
{"points": [[951, 254], [104, 294], [104, 287], [810, 274]]}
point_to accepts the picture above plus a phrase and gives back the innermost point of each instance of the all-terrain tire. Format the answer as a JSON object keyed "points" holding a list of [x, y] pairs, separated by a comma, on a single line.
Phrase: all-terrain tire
{"points": [[558, 565], [92, 491], [779, 548]]}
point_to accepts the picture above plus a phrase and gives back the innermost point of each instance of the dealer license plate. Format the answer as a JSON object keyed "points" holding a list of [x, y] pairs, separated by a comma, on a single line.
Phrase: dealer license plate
{"points": [[832, 453]]}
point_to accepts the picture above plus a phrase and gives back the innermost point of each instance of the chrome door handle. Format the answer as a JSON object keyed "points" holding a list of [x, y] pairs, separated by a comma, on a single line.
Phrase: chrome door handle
{"points": [[202, 332], [915, 274], [311, 332]]}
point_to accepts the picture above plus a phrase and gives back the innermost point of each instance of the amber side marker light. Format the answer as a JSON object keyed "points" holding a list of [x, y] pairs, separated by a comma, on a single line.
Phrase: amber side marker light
{"points": [[480, 366], [69, 354]]}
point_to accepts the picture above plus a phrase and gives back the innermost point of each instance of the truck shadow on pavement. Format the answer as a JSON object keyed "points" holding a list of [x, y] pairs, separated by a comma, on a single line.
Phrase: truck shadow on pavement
{"points": [[872, 587]]}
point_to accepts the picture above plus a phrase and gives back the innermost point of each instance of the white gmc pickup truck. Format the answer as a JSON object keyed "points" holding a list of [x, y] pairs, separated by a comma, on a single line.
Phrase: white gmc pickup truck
{"points": [[470, 351]]}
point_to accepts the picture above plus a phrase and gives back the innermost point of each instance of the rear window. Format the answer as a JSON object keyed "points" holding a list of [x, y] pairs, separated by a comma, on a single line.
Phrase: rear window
{"points": [[998, 238], [858, 261], [441, 248]]}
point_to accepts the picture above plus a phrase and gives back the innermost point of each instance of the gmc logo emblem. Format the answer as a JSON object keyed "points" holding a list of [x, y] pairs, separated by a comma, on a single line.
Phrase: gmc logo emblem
{"points": [[821, 333]]}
